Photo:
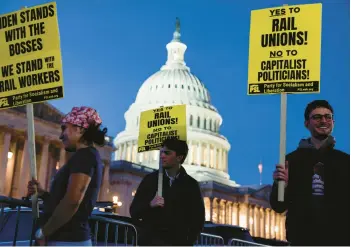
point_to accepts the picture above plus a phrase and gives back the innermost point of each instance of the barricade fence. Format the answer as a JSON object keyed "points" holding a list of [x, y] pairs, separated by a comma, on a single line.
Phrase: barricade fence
{"points": [[9, 208], [105, 231], [239, 242], [114, 231], [209, 239]]}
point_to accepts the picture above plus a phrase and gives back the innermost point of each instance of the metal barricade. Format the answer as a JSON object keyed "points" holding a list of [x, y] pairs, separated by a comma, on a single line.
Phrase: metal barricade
{"points": [[107, 223], [206, 239], [11, 207], [239, 242]]}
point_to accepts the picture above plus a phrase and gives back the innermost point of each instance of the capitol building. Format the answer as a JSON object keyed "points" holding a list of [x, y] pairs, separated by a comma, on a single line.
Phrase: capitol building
{"points": [[226, 202]]}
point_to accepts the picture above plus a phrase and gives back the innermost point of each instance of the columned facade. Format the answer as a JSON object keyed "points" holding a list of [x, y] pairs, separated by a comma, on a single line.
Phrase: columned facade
{"points": [[50, 153], [261, 222]]}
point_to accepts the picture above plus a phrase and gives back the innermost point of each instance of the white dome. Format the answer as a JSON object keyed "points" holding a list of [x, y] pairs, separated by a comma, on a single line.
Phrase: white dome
{"points": [[173, 84]]}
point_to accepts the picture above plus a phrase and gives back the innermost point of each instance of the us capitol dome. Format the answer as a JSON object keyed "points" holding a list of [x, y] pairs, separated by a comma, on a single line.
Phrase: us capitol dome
{"points": [[174, 84]]}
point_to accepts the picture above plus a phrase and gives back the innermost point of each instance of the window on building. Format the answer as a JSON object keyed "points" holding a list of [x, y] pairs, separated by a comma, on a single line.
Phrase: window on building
{"points": [[205, 123], [191, 120], [198, 122]]}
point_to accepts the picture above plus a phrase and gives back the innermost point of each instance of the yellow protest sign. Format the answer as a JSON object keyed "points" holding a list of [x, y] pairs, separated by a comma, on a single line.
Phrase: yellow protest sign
{"points": [[159, 124], [30, 56], [285, 50]]}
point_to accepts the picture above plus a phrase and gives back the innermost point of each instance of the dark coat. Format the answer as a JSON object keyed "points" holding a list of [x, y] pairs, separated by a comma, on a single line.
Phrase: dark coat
{"points": [[181, 219], [316, 220]]}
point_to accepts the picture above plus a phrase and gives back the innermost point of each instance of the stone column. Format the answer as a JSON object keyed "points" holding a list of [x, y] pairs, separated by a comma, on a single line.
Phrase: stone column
{"points": [[235, 214], [24, 172], [268, 224], [229, 212], [44, 163], [256, 221], [124, 154], [190, 153], [211, 208], [5, 148], [243, 214], [198, 161], [129, 151], [215, 163], [251, 220], [272, 223], [215, 214], [219, 212], [277, 224], [282, 223], [220, 160], [10, 171], [208, 164], [135, 152], [222, 209], [262, 223]]}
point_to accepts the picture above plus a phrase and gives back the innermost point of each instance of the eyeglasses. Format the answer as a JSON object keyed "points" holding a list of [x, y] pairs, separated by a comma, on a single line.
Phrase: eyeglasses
{"points": [[318, 117]]}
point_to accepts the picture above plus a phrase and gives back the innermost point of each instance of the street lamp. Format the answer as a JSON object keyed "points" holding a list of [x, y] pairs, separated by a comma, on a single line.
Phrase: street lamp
{"points": [[9, 155], [115, 199], [116, 203]]}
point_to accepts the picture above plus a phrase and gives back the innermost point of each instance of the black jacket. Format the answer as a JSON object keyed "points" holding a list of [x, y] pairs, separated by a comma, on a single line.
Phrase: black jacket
{"points": [[181, 219], [311, 219]]}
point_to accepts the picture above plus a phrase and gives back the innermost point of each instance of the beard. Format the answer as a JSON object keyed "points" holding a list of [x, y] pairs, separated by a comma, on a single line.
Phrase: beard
{"points": [[321, 137]]}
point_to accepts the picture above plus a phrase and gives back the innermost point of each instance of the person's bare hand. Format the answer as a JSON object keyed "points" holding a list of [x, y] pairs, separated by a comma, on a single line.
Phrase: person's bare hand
{"points": [[281, 174], [158, 201], [31, 188]]}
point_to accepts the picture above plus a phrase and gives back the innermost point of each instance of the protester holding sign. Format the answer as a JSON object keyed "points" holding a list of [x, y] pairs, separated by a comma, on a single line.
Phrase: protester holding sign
{"points": [[75, 188], [317, 180], [177, 217]]}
